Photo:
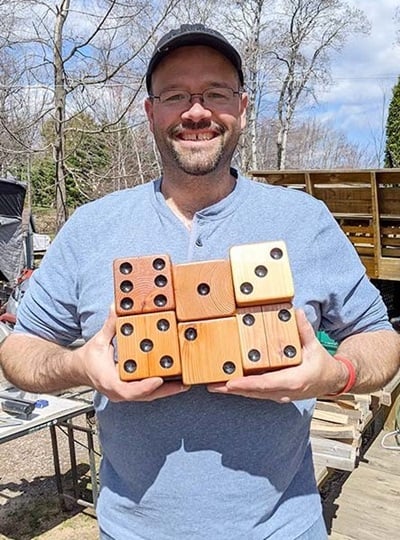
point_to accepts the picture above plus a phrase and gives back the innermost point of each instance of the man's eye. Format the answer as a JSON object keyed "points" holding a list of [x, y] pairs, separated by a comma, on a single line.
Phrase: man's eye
{"points": [[217, 95], [174, 98]]}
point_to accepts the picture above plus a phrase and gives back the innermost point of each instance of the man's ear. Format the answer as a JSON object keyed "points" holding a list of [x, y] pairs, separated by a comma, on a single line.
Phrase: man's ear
{"points": [[148, 107], [244, 100]]}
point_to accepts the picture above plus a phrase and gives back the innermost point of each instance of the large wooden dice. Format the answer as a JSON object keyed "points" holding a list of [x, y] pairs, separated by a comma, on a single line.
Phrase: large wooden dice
{"points": [[284, 347], [143, 285], [148, 346], [210, 351], [261, 273], [269, 337], [203, 290]]}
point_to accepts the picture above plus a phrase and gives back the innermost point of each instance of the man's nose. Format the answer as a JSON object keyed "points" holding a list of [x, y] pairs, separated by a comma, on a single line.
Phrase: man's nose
{"points": [[197, 110]]}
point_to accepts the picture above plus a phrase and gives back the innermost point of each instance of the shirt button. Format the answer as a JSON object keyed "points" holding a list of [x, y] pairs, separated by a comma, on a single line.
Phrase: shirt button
{"points": [[199, 243]]}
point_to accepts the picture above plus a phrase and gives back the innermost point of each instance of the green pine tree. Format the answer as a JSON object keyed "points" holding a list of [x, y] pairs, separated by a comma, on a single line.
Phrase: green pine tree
{"points": [[87, 158], [392, 150]]}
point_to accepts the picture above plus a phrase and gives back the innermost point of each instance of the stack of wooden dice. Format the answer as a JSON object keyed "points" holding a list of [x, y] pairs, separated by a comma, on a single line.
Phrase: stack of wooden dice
{"points": [[206, 322]]}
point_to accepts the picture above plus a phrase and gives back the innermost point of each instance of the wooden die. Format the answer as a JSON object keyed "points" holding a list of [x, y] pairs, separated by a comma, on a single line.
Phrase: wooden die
{"points": [[261, 273], [148, 346], [284, 347], [203, 290], [253, 341], [143, 285], [210, 351]]}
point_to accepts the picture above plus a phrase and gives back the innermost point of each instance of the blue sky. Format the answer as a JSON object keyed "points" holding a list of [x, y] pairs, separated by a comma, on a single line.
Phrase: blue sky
{"points": [[363, 74]]}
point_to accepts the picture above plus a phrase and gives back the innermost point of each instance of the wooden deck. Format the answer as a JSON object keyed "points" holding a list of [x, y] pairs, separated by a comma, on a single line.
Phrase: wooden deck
{"points": [[365, 504], [365, 203]]}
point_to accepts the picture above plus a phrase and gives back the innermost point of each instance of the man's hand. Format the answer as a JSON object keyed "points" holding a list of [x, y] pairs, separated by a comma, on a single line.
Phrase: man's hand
{"points": [[96, 359], [319, 374]]}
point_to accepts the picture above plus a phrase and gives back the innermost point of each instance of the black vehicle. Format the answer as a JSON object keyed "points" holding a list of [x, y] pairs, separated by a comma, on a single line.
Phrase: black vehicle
{"points": [[16, 250]]}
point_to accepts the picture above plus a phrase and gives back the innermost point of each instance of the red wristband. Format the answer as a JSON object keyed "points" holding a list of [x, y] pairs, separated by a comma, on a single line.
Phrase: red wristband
{"points": [[352, 374]]}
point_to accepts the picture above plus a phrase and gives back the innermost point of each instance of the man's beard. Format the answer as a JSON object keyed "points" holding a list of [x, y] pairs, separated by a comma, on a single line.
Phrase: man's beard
{"points": [[201, 161], [198, 162]]}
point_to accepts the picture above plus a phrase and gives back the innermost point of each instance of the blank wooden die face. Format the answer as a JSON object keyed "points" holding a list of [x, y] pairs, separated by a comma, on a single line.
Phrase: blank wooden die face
{"points": [[284, 348], [210, 351], [203, 290], [261, 273], [253, 342], [148, 346], [143, 285]]}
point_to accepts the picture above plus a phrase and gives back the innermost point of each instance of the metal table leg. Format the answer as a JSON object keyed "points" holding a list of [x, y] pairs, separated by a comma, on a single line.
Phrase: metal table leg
{"points": [[57, 468]]}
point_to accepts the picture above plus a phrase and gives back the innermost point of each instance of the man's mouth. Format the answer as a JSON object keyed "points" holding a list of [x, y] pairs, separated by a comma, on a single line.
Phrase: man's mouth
{"points": [[197, 132], [187, 136]]}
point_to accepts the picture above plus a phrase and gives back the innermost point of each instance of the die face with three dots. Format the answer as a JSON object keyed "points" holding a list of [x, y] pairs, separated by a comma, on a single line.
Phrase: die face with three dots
{"points": [[261, 273]]}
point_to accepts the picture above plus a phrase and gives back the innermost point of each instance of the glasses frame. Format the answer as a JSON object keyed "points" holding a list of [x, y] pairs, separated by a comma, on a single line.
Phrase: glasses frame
{"points": [[200, 95]]}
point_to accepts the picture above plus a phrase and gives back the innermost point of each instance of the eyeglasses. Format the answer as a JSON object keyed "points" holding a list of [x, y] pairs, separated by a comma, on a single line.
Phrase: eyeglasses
{"points": [[211, 98]]}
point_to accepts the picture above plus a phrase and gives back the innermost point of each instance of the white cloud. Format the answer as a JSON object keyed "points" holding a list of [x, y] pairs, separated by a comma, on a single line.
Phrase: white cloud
{"points": [[363, 74]]}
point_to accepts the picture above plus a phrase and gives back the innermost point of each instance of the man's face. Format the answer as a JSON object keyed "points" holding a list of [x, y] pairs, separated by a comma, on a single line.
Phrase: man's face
{"points": [[196, 137]]}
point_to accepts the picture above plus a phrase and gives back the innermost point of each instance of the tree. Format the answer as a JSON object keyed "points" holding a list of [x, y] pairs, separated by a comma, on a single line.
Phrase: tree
{"points": [[312, 145], [392, 150], [74, 63], [251, 26], [313, 30], [86, 165], [17, 130], [72, 81], [286, 46]]}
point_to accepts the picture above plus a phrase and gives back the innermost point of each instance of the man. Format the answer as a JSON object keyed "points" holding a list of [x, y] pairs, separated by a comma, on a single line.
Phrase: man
{"points": [[228, 461]]}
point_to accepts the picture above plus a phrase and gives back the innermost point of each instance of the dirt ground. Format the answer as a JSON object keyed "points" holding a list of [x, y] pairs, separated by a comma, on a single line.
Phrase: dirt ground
{"points": [[29, 504]]}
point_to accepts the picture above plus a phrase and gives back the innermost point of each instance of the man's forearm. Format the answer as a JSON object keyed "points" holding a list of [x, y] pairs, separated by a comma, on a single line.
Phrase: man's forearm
{"points": [[36, 365], [375, 356]]}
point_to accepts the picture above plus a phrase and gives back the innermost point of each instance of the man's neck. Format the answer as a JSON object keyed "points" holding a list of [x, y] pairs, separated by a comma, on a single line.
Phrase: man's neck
{"points": [[186, 195]]}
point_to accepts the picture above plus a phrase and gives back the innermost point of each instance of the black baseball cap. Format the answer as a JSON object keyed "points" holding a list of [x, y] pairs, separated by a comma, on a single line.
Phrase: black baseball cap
{"points": [[193, 34]]}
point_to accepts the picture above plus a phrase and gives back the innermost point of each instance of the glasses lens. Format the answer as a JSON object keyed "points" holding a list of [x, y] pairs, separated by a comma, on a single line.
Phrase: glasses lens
{"points": [[218, 96], [212, 97], [175, 98]]}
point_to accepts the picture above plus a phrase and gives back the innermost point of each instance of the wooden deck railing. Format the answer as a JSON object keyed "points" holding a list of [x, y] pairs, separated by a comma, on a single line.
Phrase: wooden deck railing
{"points": [[366, 204]]}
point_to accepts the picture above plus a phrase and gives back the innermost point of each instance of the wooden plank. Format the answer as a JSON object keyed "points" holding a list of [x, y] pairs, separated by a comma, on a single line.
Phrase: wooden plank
{"points": [[372, 512], [361, 229], [333, 431], [321, 471], [389, 199], [334, 462], [365, 506], [387, 176], [383, 459], [278, 178], [389, 268], [340, 176], [338, 449], [336, 536], [329, 416], [353, 415], [391, 388]]}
